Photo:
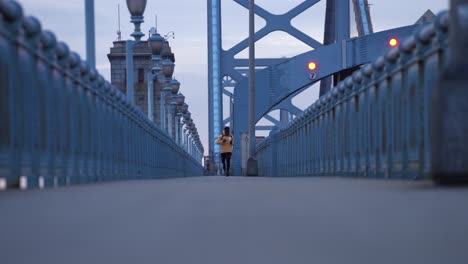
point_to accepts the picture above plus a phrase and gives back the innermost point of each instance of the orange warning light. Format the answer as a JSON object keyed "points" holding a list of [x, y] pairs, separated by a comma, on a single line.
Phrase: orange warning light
{"points": [[393, 42], [312, 66]]}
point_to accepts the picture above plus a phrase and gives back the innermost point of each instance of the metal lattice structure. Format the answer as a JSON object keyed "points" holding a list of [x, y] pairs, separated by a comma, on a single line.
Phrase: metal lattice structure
{"points": [[226, 71], [223, 67], [279, 78]]}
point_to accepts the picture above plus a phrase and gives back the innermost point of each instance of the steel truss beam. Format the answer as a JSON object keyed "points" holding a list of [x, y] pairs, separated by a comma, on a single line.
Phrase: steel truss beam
{"points": [[224, 68], [283, 81]]}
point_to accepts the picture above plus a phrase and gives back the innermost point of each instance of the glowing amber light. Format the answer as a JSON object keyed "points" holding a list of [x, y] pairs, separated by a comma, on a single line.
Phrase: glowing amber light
{"points": [[312, 66], [393, 42]]}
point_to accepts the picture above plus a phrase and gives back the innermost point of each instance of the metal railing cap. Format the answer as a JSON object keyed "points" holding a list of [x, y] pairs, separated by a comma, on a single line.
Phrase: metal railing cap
{"points": [[323, 99], [335, 92], [32, 26], [101, 81], [442, 21], [427, 34], [74, 59], [357, 76], [392, 56], [84, 68], [367, 70], [107, 86], [93, 74], [48, 40], [408, 45], [349, 82], [63, 51], [11, 10], [120, 97], [379, 64], [341, 86]]}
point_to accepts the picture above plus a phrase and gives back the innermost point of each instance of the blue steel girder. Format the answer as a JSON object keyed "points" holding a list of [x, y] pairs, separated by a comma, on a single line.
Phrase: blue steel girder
{"points": [[276, 84], [272, 119], [222, 63], [281, 22]]}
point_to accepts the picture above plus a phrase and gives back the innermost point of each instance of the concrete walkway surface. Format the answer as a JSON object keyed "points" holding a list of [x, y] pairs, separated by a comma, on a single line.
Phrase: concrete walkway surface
{"points": [[219, 220]]}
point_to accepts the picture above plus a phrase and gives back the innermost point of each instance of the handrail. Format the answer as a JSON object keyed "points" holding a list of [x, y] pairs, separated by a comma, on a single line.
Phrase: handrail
{"points": [[375, 123], [61, 123]]}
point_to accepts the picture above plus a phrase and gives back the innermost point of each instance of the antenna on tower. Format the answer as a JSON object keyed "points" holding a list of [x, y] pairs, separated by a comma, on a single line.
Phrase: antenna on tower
{"points": [[119, 33], [156, 24]]}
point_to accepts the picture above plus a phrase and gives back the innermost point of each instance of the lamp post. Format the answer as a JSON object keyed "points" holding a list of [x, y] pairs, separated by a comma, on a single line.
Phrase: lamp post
{"points": [[186, 134], [184, 121], [155, 43], [168, 70], [136, 9], [180, 100], [252, 165], [175, 86], [189, 137]]}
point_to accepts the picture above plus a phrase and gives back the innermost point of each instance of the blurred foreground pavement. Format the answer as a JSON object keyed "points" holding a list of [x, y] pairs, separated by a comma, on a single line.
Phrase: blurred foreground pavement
{"points": [[237, 220]]}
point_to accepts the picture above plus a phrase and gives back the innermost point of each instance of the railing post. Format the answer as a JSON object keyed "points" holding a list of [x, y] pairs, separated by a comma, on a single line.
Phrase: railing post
{"points": [[274, 151], [450, 129]]}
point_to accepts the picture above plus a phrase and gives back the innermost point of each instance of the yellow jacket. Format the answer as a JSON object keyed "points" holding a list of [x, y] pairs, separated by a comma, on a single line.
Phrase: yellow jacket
{"points": [[226, 142]]}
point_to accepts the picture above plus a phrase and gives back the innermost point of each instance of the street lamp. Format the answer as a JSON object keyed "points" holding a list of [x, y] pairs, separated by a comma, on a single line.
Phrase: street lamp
{"points": [[155, 44], [168, 70], [184, 123], [175, 86], [252, 164], [136, 9], [180, 100], [188, 123]]}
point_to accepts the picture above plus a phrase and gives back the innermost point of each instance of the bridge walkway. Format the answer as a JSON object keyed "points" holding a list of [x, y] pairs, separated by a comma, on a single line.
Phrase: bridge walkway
{"points": [[237, 220]]}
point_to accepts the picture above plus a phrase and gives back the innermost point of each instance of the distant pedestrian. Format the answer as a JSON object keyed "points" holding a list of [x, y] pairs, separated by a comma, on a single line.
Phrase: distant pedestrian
{"points": [[226, 140]]}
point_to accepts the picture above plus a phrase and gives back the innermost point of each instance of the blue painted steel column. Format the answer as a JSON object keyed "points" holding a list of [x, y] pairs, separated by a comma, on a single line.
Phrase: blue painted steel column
{"points": [[363, 17], [252, 165], [214, 77], [342, 17], [90, 34]]}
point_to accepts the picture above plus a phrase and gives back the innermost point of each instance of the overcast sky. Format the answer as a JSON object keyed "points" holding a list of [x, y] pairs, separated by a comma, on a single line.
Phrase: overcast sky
{"points": [[188, 19]]}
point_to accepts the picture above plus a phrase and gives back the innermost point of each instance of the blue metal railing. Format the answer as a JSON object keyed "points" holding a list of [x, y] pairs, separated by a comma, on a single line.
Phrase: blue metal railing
{"points": [[376, 123], [62, 123]]}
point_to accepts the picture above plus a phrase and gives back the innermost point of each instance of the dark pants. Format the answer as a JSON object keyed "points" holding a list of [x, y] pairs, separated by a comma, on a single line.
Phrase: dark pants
{"points": [[226, 158]]}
